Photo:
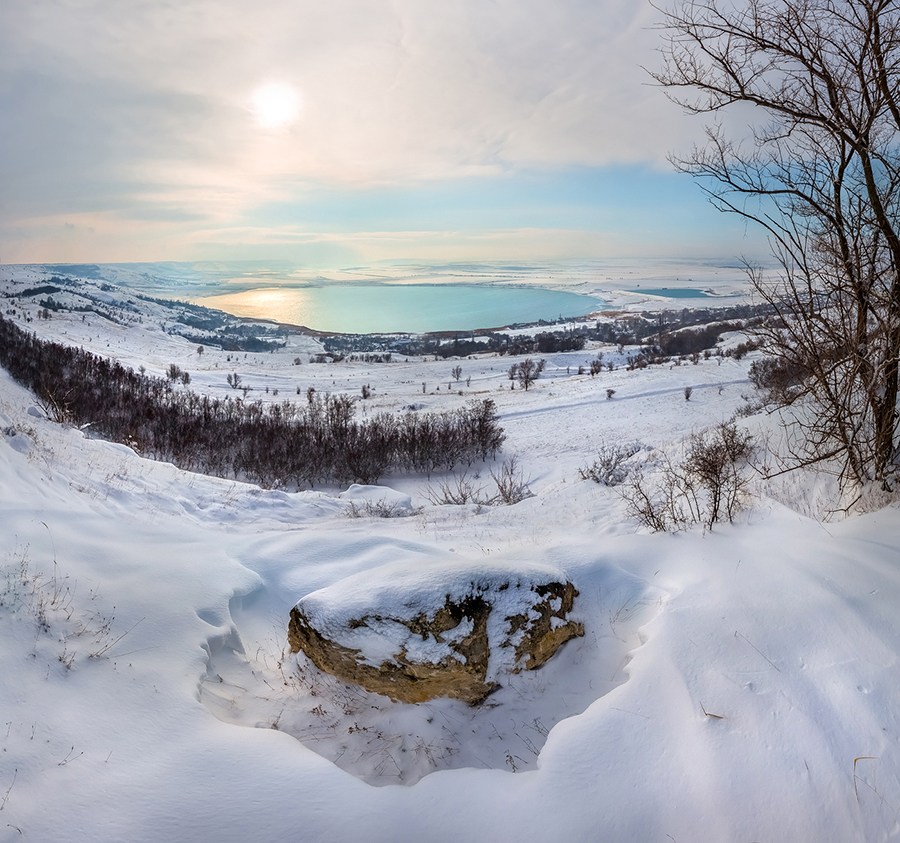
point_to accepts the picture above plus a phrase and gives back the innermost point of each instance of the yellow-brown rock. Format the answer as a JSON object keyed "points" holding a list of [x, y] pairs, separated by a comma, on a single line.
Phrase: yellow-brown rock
{"points": [[445, 631]]}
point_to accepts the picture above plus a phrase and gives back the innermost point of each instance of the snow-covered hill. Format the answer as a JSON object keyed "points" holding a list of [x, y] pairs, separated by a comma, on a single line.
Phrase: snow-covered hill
{"points": [[739, 684]]}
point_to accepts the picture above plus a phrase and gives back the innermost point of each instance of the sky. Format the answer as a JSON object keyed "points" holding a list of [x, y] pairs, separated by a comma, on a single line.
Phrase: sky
{"points": [[343, 132]]}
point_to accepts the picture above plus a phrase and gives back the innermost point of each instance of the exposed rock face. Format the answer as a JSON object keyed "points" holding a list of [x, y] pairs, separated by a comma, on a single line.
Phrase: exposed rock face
{"points": [[446, 631], [541, 639]]}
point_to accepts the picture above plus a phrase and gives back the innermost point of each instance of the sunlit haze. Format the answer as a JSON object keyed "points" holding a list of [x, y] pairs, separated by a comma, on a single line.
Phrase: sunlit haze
{"points": [[345, 133], [276, 104]]}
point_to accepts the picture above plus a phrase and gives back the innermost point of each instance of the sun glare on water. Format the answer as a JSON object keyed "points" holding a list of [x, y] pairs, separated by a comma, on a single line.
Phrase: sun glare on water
{"points": [[276, 104]]}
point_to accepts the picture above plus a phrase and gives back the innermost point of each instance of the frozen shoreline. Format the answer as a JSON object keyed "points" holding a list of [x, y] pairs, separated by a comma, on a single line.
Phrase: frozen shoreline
{"points": [[616, 283]]}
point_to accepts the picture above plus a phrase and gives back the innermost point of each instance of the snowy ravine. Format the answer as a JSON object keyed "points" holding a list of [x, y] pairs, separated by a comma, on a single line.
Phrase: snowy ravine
{"points": [[734, 685]]}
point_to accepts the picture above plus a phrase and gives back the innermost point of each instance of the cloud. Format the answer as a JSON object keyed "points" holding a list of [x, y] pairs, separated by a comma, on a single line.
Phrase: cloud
{"points": [[144, 111], [392, 90]]}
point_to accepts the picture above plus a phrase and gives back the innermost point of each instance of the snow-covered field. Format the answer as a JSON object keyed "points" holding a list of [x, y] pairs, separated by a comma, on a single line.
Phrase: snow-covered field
{"points": [[733, 685]]}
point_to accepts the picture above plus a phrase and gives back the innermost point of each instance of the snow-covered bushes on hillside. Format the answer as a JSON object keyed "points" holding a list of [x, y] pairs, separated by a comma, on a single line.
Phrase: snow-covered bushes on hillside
{"points": [[777, 378], [270, 444], [708, 485], [377, 502], [610, 468], [511, 487]]}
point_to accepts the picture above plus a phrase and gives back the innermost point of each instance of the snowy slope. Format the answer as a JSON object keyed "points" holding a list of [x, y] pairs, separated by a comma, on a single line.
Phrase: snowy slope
{"points": [[734, 685]]}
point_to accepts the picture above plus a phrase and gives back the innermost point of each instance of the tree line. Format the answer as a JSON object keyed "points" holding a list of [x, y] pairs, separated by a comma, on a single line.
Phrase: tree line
{"points": [[276, 444]]}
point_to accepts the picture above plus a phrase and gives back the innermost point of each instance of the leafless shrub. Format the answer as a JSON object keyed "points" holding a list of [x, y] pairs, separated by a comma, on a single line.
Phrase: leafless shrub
{"points": [[610, 468], [664, 505], [378, 509], [509, 481], [55, 406], [707, 486], [713, 461], [512, 487], [459, 491], [779, 379], [748, 408]]}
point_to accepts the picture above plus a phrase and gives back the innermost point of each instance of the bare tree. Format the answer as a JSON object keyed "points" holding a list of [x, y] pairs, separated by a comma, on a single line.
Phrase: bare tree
{"points": [[821, 174], [527, 371]]}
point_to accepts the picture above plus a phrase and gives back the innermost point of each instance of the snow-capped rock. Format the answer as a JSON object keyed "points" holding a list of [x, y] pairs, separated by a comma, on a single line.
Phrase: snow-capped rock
{"points": [[450, 629]]}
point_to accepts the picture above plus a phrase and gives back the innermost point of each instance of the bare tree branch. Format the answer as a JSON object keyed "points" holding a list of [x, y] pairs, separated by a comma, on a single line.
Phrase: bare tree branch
{"points": [[821, 174]]}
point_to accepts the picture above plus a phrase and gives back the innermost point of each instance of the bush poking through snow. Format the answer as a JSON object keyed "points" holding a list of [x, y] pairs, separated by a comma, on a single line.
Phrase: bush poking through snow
{"points": [[713, 461], [779, 379], [55, 405], [458, 492], [509, 480], [707, 486], [379, 509], [610, 468], [63, 628], [512, 487]]}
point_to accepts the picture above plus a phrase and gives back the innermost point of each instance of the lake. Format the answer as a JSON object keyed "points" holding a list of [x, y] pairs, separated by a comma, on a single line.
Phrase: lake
{"points": [[412, 308]]}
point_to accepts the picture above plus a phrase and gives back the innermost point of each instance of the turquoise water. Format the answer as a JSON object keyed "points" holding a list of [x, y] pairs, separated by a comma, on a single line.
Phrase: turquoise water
{"points": [[413, 308]]}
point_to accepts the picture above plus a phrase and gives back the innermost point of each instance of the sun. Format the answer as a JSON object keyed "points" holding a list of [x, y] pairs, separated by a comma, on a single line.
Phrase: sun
{"points": [[276, 104]]}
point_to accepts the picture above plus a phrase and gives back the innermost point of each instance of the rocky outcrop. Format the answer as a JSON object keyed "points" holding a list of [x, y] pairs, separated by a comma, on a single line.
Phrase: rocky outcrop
{"points": [[544, 635], [447, 631]]}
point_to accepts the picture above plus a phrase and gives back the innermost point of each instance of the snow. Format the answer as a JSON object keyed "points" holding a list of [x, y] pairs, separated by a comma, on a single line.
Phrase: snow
{"points": [[380, 500], [738, 684], [400, 591]]}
